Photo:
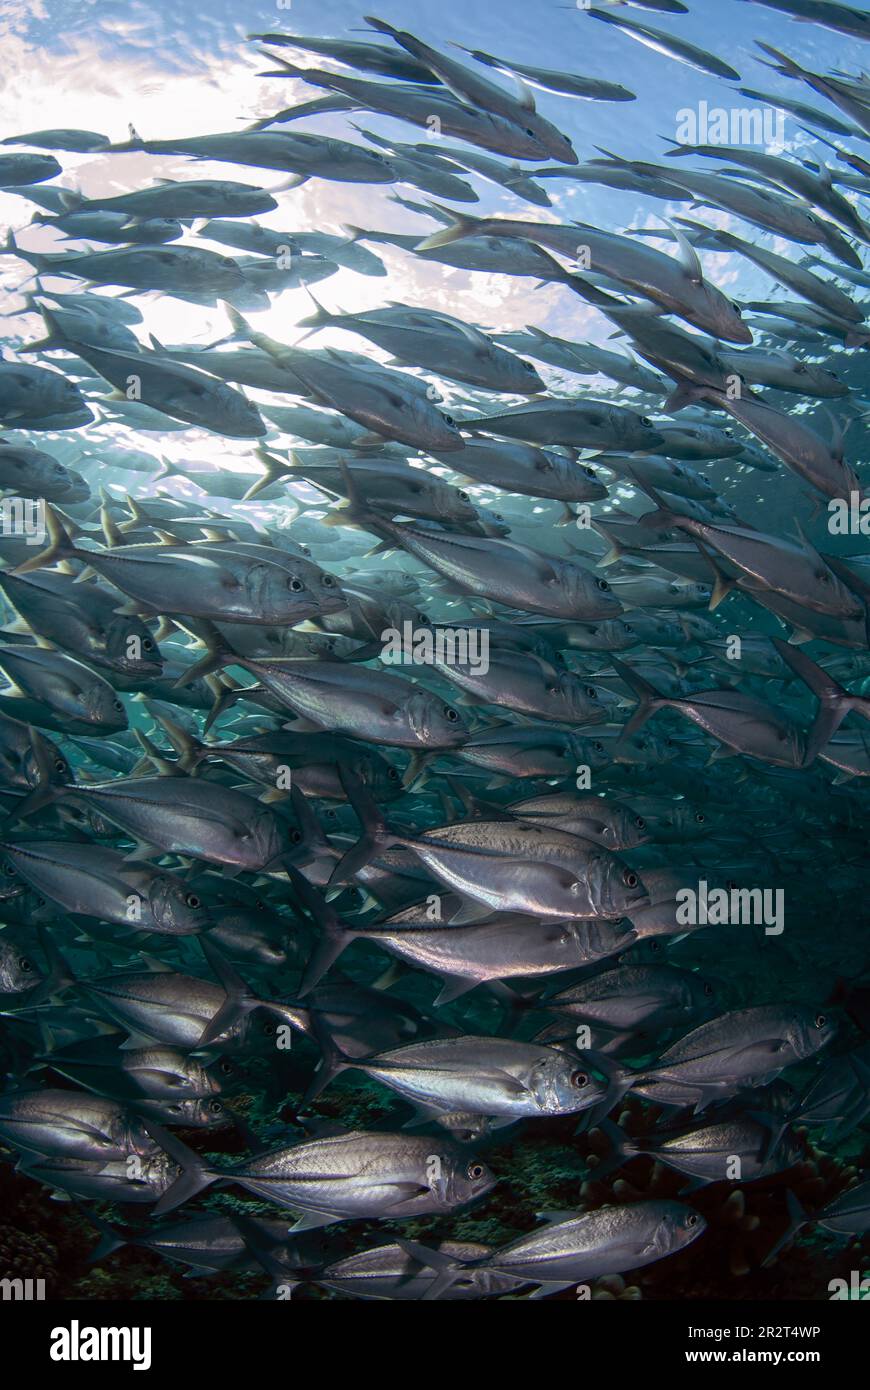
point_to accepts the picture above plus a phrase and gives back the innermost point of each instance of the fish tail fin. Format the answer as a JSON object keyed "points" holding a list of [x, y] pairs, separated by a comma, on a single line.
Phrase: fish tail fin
{"points": [[787, 66], [59, 547], [275, 468], [448, 1268], [46, 791], [333, 1061], [239, 1001], [797, 1218], [461, 225], [218, 651], [335, 935], [259, 1245], [615, 552], [376, 835], [319, 319], [649, 699], [357, 511], [195, 1175], [620, 1149], [226, 692], [60, 972], [110, 1238], [241, 328], [190, 750], [286, 69], [833, 699]]}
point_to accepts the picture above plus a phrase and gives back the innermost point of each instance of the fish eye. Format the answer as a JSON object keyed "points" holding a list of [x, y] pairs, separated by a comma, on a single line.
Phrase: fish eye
{"points": [[25, 965], [736, 307], [603, 585], [147, 644], [640, 823], [820, 1020], [59, 765], [393, 774], [295, 837], [9, 869], [700, 817], [579, 1079], [328, 581], [450, 714], [527, 366], [590, 472], [530, 132], [227, 1067], [215, 1107], [692, 1220], [598, 747], [592, 692], [646, 422], [118, 706], [295, 585], [630, 878], [192, 901], [474, 1171], [269, 1030], [463, 496], [449, 419]]}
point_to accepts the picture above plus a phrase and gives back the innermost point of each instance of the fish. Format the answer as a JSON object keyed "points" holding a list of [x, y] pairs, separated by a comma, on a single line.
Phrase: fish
{"points": [[565, 1252], [344, 1176], [669, 44]]}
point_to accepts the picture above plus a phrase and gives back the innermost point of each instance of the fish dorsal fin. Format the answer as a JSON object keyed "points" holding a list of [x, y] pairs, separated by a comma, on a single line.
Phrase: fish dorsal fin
{"points": [[526, 95], [688, 255]]}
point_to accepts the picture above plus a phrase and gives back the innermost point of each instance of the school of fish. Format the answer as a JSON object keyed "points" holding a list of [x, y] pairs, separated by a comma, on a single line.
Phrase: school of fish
{"points": [[488, 748]]}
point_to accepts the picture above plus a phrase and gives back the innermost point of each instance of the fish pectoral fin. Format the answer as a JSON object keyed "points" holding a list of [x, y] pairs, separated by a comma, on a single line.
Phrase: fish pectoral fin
{"points": [[310, 1221], [453, 987], [469, 912]]}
